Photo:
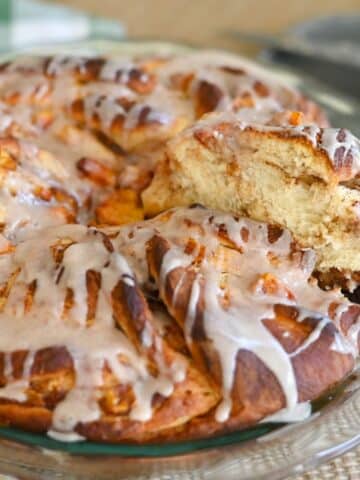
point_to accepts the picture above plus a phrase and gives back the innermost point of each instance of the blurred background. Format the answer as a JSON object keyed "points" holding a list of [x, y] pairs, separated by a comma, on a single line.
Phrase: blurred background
{"points": [[203, 22], [311, 39], [320, 38]]}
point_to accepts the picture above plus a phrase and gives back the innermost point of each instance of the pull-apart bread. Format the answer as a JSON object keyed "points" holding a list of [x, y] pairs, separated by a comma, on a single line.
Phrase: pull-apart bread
{"points": [[200, 320]]}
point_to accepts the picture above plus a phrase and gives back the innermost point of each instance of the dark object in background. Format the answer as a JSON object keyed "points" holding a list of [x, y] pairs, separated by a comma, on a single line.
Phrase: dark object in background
{"points": [[353, 296], [326, 48], [345, 78], [333, 51]]}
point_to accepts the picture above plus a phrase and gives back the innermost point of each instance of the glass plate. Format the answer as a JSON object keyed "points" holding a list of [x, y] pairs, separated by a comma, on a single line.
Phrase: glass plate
{"points": [[263, 452]]}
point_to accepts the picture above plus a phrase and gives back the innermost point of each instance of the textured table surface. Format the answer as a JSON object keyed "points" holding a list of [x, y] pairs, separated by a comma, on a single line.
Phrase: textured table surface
{"points": [[346, 467], [203, 22]]}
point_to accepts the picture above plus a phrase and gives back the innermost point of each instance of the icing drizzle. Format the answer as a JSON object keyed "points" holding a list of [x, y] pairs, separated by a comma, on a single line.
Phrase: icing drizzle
{"points": [[239, 325], [49, 322]]}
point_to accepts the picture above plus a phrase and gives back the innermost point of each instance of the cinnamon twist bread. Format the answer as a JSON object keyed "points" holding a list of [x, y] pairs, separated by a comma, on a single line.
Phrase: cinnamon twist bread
{"points": [[194, 322]]}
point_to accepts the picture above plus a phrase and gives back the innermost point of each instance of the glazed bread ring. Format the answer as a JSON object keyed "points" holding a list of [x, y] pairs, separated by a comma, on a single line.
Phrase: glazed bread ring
{"points": [[195, 322]]}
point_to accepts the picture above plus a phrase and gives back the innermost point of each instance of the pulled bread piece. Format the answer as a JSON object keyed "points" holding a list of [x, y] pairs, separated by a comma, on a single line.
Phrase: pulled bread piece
{"points": [[190, 324], [301, 177]]}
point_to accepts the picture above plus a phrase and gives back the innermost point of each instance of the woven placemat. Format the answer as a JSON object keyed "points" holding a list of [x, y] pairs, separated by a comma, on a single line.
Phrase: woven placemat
{"points": [[346, 467]]}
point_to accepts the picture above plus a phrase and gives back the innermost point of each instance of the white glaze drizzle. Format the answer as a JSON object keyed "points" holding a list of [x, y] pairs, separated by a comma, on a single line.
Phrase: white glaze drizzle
{"points": [[241, 324], [90, 346]]}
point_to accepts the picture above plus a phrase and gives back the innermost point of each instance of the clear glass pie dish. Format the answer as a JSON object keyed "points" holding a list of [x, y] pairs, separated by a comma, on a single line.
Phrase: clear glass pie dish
{"points": [[263, 451]]}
